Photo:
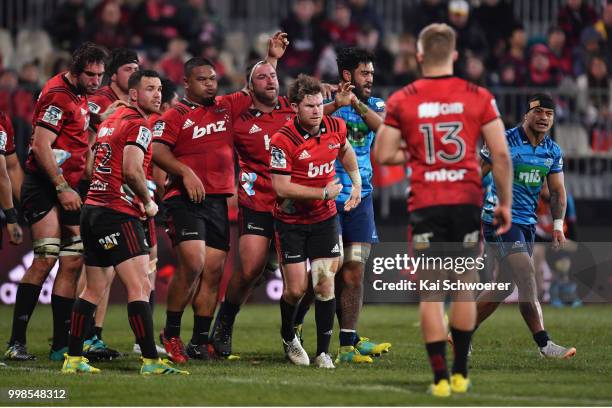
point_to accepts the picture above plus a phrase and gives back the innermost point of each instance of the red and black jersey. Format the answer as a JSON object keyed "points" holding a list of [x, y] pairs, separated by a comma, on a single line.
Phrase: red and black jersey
{"points": [[62, 109], [153, 118], [200, 137], [309, 160], [126, 126], [440, 120], [7, 135], [252, 136], [103, 98]]}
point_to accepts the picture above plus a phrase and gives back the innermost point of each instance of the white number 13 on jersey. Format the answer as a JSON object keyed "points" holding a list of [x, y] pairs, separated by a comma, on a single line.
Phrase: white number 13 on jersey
{"points": [[451, 136]]}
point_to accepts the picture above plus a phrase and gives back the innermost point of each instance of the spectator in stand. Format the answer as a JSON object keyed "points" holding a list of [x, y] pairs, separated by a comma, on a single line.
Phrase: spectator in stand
{"points": [[604, 28], [368, 38], [364, 14], [475, 71], [425, 12], [590, 44], [515, 56], [496, 17], [510, 103], [594, 92], [340, 30], [306, 39], [560, 56], [199, 25], [66, 24], [107, 30], [406, 67], [171, 63], [541, 71], [574, 17], [470, 37], [155, 23]]}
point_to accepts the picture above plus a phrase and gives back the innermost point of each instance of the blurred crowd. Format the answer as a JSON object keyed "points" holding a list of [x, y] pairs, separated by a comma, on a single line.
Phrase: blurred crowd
{"points": [[573, 56]]}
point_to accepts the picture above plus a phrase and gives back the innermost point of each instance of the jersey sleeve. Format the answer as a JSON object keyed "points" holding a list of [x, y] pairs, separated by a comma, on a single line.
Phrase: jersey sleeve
{"points": [[237, 102], [393, 111], [139, 135], [557, 166], [280, 155], [54, 109], [166, 129], [489, 110], [376, 104]]}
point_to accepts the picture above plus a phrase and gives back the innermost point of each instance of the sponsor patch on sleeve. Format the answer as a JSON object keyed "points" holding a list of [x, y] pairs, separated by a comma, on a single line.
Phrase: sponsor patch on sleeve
{"points": [[3, 140], [158, 129], [277, 158], [144, 137], [52, 115], [93, 108]]}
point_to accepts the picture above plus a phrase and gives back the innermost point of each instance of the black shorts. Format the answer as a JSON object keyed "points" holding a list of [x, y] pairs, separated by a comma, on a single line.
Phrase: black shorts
{"points": [[297, 242], [38, 197], [446, 230], [111, 237], [206, 221], [149, 228], [253, 222]]}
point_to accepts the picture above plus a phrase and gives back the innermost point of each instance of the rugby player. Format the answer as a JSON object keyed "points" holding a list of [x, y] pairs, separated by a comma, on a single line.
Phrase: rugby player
{"points": [[51, 205], [440, 117], [536, 158], [113, 233], [7, 150], [302, 157]]}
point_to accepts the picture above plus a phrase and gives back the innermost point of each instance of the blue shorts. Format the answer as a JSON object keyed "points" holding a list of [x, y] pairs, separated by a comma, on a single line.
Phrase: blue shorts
{"points": [[358, 224], [519, 238]]}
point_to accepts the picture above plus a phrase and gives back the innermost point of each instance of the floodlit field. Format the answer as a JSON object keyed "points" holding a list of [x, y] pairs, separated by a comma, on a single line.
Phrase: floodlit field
{"points": [[505, 366]]}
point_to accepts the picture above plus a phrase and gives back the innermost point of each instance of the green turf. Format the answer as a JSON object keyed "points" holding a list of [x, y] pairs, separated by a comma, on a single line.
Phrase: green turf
{"points": [[506, 369]]}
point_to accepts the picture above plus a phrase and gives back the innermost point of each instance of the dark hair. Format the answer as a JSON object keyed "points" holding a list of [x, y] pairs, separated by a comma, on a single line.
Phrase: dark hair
{"points": [[87, 53], [302, 86], [119, 57], [543, 100], [349, 58], [194, 63], [168, 90], [554, 29], [137, 76]]}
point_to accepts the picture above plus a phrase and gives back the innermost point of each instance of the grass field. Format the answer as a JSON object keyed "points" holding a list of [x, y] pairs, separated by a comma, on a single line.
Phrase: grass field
{"points": [[506, 369]]}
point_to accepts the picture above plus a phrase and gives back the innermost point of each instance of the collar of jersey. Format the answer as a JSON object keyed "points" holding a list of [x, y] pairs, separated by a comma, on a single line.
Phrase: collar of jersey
{"points": [[194, 105], [73, 88], [439, 77], [525, 139], [257, 113], [304, 132]]}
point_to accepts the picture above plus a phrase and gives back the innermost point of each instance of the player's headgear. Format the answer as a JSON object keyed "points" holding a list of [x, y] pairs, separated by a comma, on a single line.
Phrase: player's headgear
{"points": [[251, 70], [119, 57], [541, 100]]}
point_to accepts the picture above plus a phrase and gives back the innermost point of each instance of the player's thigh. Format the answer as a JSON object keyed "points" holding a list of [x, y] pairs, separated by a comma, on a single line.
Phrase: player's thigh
{"points": [[98, 279], [290, 241], [322, 241], [253, 251], [358, 225], [133, 274], [213, 265], [257, 223], [217, 223], [185, 221]]}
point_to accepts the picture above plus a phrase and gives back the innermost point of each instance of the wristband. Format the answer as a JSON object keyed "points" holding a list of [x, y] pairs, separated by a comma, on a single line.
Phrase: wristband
{"points": [[11, 215], [325, 193], [355, 177], [362, 108], [149, 205], [558, 225], [63, 186]]}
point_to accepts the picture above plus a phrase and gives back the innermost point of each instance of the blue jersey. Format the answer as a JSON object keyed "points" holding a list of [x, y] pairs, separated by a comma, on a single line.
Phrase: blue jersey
{"points": [[361, 137], [530, 166]]}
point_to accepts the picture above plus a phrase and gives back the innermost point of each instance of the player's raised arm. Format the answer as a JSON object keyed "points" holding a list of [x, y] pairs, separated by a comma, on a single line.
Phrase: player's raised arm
{"points": [[501, 165], [277, 45]]}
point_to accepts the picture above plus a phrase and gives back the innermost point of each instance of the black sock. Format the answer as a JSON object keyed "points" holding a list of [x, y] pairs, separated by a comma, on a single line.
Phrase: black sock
{"points": [[139, 314], [27, 297], [303, 308], [152, 301], [61, 308], [287, 320], [90, 330], [541, 338], [201, 327], [82, 314], [324, 318], [98, 332], [437, 358], [461, 344], [348, 338], [227, 312], [173, 324]]}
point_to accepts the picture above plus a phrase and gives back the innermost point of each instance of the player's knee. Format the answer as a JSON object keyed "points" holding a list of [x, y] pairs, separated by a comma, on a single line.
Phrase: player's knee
{"points": [[47, 249], [352, 274], [294, 291], [357, 253], [95, 289], [323, 272], [39, 270], [72, 246]]}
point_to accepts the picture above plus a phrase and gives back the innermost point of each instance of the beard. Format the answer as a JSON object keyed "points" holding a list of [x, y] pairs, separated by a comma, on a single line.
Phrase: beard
{"points": [[208, 101], [264, 98]]}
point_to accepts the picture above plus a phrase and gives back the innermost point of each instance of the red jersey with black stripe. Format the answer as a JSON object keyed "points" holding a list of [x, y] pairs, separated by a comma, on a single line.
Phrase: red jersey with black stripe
{"points": [[7, 135], [309, 160], [440, 120], [252, 136], [103, 98], [127, 126], [153, 118], [201, 137], [62, 109]]}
